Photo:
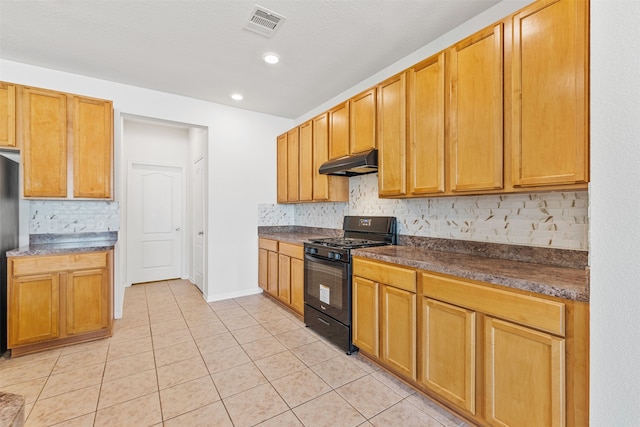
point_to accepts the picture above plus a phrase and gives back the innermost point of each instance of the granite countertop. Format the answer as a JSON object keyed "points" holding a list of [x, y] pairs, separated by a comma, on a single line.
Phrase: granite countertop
{"points": [[561, 282], [553, 272], [57, 244], [11, 410]]}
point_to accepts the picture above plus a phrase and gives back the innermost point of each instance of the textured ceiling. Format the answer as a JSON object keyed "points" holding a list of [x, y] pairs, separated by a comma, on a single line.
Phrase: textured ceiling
{"points": [[200, 50]]}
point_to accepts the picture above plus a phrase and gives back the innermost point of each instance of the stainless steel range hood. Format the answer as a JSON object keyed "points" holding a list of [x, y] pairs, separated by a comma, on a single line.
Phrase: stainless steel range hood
{"points": [[358, 164]]}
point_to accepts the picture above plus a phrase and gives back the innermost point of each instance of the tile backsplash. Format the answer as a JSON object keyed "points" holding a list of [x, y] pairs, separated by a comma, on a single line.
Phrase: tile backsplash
{"points": [[73, 216], [552, 219]]}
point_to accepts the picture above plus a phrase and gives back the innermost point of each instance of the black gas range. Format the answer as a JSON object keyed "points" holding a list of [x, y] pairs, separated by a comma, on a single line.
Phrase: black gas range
{"points": [[327, 275]]}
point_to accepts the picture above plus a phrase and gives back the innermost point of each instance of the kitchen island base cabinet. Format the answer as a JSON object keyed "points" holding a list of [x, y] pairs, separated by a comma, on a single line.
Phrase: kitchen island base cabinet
{"points": [[56, 300]]}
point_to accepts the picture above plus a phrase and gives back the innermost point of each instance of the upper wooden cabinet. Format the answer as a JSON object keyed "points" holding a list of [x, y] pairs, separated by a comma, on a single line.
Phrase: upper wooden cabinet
{"points": [[301, 151], [67, 145], [392, 154], [426, 112], [7, 115], [550, 85], [352, 125], [339, 131], [475, 139], [306, 171], [44, 145], [282, 178], [362, 125], [92, 148]]}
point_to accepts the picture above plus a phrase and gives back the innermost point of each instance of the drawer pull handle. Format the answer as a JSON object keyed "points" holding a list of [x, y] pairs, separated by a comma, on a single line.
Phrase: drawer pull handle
{"points": [[323, 321]]}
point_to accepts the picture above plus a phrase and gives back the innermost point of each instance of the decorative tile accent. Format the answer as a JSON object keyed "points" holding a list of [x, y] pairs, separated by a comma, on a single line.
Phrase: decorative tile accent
{"points": [[71, 216], [552, 219]]}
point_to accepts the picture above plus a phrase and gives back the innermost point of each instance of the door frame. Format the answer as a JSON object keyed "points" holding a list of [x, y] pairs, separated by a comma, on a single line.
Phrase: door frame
{"points": [[184, 212]]}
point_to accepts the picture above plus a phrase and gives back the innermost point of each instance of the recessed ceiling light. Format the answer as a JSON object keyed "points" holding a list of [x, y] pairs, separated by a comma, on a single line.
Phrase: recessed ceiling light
{"points": [[236, 97], [271, 58]]}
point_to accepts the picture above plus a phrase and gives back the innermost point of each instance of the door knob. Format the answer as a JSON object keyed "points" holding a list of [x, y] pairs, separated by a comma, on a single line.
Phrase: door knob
{"points": [[200, 233], [178, 229]]}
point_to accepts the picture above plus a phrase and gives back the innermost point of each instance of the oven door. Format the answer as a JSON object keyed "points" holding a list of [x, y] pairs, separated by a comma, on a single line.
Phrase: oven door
{"points": [[327, 287]]}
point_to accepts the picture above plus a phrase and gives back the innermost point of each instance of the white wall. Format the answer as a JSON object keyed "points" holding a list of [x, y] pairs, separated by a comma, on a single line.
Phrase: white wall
{"points": [[242, 166], [615, 213]]}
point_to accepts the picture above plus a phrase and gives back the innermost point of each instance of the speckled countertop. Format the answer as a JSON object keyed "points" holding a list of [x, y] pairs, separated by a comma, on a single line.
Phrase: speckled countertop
{"points": [[11, 410], [561, 282], [56, 244], [552, 272]]}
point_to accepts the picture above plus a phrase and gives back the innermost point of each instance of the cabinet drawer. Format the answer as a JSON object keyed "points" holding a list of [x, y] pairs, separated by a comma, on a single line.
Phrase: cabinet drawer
{"points": [[268, 244], [388, 274], [294, 251], [526, 310], [43, 264]]}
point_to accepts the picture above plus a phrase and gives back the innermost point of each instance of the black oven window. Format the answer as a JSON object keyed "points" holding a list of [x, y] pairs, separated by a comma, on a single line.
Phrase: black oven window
{"points": [[326, 283]]}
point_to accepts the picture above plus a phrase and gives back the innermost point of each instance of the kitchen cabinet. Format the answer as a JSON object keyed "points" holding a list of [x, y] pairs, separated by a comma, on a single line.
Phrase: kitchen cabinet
{"points": [[426, 125], [448, 352], [55, 300], [67, 145], [92, 148], [268, 265], [362, 124], [293, 162], [326, 188], [281, 272], [44, 145], [7, 115], [522, 345], [339, 131], [524, 375], [392, 136], [550, 86], [306, 170], [475, 114], [352, 125], [384, 314], [282, 165]]}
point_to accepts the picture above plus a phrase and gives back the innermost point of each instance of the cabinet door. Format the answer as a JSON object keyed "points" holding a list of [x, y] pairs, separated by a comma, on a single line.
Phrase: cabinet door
{"points": [[339, 131], [524, 376], [263, 268], [272, 285], [282, 169], [362, 125], [366, 307], [398, 328], [320, 156], [306, 172], [293, 162], [7, 115], [284, 278], [88, 301], [44, 144], [297, 285], [426, 126], [92, 148], [476, 112], [550, 93], [392, 161], [448, 352], [33, 309]]}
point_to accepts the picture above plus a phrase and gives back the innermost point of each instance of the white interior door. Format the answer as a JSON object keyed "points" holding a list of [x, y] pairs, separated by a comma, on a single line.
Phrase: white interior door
{"points": [[155, 206], [198, 223]]}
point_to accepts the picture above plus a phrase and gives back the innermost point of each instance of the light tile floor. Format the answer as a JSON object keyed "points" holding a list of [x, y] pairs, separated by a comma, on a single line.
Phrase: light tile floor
{"points": [[175, 360]]}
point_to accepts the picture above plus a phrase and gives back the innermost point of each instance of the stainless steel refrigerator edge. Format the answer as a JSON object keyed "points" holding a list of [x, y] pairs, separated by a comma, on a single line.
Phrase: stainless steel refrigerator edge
{"points": [[9, 232]]}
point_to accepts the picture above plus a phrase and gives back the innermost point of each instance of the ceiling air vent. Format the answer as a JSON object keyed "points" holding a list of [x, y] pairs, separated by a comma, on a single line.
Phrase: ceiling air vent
{"points": [[263, 21]]}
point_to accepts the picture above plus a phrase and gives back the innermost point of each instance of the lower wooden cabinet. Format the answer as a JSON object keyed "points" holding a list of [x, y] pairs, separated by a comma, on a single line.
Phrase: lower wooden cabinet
{"points": [[281, 272], [524, 376], [58, 299], [496, 356], [384, 314], [448, 352]]}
